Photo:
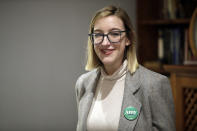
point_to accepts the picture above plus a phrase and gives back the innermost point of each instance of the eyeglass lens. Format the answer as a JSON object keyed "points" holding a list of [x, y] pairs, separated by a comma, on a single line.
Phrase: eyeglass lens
{"points": [[113, 37]]}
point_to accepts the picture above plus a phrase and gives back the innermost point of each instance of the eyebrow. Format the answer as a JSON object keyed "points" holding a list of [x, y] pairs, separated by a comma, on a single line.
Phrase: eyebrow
{"points": [[113, 29]]}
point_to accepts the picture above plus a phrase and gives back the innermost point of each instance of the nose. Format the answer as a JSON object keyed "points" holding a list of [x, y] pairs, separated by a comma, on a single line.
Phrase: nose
{"points": [[105, 41]]}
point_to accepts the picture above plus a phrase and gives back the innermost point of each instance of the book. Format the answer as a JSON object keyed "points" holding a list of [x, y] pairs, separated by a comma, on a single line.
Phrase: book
{"points": [[173, 46], [169, 9], [188, 56]]}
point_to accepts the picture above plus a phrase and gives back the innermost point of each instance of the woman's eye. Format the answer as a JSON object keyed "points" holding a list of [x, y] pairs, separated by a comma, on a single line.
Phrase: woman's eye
{"points": [[98, 35], [114, 33]]}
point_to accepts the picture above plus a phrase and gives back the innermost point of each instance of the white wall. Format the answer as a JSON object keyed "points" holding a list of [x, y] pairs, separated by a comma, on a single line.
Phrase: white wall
{"points": [[42, 53]]}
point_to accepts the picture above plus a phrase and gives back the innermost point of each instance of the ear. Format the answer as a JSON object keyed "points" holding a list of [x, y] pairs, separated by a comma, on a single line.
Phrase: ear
{"points": [[127, 42]]}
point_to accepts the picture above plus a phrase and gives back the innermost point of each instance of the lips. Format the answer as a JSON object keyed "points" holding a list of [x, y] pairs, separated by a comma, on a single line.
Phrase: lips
{"points": [[107, 51]]}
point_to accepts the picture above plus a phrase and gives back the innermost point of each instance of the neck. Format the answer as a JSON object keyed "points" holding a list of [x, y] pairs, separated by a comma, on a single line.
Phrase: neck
{"points": [[109, 69]]}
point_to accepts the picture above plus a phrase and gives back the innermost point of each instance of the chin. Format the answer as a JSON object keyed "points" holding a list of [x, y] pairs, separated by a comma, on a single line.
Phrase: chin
{"points": [[108, 61]]}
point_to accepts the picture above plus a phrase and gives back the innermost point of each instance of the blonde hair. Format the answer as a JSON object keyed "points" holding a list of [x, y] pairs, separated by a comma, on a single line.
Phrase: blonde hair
{"points": [[130, 51]]}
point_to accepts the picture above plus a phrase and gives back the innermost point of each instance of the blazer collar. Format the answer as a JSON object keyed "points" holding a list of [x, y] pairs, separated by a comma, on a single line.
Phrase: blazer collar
{"points": [[86, 101], [132, 85]]}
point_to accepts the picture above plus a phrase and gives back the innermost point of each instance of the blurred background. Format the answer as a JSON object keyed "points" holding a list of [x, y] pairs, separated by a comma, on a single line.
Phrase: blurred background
{"points": [[42, 53]]}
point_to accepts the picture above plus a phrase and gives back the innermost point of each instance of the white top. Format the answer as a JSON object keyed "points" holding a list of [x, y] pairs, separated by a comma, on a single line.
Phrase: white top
{"points": [[105, 110]]}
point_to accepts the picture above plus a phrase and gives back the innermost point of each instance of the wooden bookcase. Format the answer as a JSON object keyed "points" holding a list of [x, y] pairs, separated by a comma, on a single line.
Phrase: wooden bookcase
{"points": [[183, 78], [149, 21]]}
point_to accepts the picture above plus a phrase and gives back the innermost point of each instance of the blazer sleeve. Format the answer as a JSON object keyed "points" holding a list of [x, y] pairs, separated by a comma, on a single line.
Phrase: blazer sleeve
{"points": [[162, 106], [79, 89]]}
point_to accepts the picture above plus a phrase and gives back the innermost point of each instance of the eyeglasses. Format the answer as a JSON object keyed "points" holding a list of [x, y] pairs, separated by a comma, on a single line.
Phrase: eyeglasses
{"points": [[113, 37]]}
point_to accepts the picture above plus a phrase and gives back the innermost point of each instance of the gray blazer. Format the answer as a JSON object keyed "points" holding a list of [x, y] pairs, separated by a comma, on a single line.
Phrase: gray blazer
{"points": [[147, 91]]}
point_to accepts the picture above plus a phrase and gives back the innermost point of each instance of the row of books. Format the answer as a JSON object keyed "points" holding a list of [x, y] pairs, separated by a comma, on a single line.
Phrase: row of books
{"points": [[174, 48], [172, 9]]}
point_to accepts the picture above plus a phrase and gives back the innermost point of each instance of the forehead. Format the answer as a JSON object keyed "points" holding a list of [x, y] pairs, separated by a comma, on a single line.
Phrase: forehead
{"points": [[108, 23]]}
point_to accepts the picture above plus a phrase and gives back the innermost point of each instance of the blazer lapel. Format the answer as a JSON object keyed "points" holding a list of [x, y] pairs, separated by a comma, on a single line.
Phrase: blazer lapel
{"points": [[86, 101], [132, 85]]}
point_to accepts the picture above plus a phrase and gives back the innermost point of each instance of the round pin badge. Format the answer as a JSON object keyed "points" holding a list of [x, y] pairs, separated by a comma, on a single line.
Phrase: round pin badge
{"points": [[130, 113]]}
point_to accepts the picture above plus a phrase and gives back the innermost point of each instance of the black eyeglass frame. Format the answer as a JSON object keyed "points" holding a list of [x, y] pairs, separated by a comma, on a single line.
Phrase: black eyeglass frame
{"points": [[103, 35]]}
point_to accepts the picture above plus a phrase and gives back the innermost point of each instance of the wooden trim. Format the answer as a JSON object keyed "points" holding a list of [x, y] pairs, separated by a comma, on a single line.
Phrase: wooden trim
{"points": [[181, 69], [182, 77]]}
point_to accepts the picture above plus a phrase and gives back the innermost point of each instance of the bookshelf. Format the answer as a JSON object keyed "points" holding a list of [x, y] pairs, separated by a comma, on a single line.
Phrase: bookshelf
{"points": [[155, 25], [153, 19]]}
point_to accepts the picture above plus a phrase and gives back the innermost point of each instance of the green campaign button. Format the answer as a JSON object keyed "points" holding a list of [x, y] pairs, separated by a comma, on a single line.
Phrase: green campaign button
{"points": [[130, 113]]}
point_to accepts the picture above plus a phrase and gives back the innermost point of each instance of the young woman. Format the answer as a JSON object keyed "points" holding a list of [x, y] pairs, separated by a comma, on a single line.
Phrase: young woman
{"points": [[117, 93]]}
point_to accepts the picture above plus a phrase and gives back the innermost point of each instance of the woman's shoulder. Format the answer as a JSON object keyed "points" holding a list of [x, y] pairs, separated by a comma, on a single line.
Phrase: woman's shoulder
{"points": [[152, 79], [87, 75], [85, 78], [149, 74]]}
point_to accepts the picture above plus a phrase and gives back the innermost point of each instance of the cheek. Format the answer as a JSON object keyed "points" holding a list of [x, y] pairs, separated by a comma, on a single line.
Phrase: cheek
{"points": [[96, 49], [122, 47]]}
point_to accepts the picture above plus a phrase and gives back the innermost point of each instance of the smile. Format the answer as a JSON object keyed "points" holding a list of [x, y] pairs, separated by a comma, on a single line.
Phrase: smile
{"points": [[107, 51]]}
